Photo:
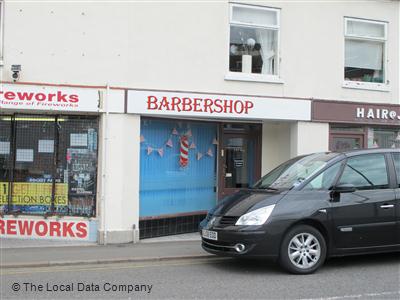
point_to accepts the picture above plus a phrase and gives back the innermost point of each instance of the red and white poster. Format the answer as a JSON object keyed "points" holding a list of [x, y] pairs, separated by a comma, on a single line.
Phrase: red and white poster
{"points": [[45, 229], [48, 98]]}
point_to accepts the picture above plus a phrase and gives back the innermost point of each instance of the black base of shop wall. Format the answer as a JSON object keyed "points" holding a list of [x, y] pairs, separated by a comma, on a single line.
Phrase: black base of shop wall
{"points": [[169, 226]]}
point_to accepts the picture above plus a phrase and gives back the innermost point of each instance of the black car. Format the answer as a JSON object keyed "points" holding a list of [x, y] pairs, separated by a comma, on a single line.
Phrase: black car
{"points": [[310, 208]]}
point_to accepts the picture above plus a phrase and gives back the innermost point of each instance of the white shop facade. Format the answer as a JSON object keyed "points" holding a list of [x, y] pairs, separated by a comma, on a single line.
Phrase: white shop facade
{"points": [[197, 148]]}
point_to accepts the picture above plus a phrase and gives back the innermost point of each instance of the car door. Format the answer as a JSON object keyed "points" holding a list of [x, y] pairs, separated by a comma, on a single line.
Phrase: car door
{"points": [[396, 158], [367, 216]]}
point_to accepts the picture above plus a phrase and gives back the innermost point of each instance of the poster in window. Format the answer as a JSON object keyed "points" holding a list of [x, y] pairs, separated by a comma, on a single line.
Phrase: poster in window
{"points": [[46, 146], [5, 148], [25, 155], [79, 140]]}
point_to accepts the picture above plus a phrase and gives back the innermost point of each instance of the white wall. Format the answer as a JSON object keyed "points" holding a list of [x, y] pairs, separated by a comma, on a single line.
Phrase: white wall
{"points": [[121, 181], [308, 137], [275, 147], [184, 46]]}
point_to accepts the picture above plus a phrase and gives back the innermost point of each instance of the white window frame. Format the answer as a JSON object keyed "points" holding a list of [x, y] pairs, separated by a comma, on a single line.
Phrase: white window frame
{"points": [[253, 76], [374, 86], [1, 32]]}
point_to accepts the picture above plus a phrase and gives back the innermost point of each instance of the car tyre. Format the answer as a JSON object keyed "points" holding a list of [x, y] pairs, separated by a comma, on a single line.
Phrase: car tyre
{"points": [[303, 250]]}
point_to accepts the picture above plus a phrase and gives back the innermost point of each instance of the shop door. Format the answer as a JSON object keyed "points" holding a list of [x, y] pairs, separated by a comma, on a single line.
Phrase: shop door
{"points": [[240, 163], [344, 142]]}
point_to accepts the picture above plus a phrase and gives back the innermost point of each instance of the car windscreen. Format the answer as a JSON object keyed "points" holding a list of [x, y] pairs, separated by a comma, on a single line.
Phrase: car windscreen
{"points": [[294, 172]]}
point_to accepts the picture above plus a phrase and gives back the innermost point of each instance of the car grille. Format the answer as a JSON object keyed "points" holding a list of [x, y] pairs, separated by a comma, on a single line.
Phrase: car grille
{"points": [[228, 220]]}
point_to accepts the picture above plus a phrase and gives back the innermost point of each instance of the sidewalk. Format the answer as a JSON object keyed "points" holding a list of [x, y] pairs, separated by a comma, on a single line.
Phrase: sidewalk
{"points": [[174, 247]]}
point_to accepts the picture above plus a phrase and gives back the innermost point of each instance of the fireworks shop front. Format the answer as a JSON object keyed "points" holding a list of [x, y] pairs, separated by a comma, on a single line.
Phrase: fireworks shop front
{"points": [[48, 162]]}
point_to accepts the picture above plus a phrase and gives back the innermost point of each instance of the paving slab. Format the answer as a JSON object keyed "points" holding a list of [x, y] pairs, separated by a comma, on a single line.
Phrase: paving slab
{"points": [[47, 256]]}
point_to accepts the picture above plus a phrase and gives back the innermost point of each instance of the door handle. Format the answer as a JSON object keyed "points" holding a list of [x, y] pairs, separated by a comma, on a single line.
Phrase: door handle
{"points": [[387, 206]]}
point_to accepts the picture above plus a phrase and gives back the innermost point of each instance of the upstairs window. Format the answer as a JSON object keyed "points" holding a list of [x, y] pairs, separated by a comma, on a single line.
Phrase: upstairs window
{"points": [[254, 33], [1, 30], [365, 51]]}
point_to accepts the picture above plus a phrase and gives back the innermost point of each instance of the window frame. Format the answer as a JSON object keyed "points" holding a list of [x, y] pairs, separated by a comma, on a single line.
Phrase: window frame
{"points": [[239, 76], [396, 172], [375, 86], [1, 32]]}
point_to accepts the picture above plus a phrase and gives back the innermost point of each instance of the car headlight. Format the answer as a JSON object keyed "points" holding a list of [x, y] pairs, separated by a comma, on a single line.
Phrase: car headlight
{"points": [[256, 217]]}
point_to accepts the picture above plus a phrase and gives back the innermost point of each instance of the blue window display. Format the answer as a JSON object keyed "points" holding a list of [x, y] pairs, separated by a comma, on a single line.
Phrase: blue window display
{"points": [[177, 167]]}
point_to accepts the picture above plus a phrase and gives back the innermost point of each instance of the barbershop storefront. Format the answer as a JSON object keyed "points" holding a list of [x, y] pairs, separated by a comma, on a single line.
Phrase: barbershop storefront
{"points": [[198, 148], [48, 162], [359, 125]]}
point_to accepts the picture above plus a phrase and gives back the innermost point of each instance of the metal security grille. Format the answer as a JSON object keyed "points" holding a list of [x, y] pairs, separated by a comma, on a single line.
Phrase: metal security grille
{"points": [[51, 165], [5, 160]]}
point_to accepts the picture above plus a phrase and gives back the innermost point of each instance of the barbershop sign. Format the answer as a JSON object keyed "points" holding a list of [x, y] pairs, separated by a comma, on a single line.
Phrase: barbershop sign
{"points": [[216, 106], [48, 98], [361, 113]]}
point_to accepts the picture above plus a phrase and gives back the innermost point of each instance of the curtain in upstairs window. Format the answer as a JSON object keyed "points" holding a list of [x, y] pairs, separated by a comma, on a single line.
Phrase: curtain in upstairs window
{"points": [[364, 54]]}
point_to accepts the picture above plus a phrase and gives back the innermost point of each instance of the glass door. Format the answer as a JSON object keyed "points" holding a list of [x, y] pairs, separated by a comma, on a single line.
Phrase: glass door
{"points": [[240, 163]]}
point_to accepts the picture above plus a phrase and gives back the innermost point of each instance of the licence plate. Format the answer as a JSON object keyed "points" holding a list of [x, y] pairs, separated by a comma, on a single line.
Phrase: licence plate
{"points": [[208, 234]]}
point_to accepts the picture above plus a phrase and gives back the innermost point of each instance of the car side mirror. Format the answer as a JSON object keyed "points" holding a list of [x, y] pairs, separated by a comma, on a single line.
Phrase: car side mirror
{"points": [[339, 189], [345, 188]]}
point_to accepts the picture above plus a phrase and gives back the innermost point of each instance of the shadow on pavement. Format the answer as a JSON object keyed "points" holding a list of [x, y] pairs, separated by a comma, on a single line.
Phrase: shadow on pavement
{"points": [[264, 266]]}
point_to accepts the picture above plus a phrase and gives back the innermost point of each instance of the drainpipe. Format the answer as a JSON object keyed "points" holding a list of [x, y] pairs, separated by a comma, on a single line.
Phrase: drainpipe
{"points": [[104, 165]]}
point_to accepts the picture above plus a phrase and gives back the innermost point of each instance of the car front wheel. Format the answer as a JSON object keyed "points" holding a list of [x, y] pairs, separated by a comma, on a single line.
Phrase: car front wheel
{"points": [[303, 250]]}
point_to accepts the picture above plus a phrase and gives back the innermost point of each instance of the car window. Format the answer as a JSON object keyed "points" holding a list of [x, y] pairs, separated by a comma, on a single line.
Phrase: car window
{"points": [[396, 157], [366, 172], [325, 180]]}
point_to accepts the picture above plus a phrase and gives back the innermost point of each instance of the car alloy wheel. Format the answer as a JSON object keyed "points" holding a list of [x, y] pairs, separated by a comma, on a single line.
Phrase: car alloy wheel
{"points": [[304, 250]]}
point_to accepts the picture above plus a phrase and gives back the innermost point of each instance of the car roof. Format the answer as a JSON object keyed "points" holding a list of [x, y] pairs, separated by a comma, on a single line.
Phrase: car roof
{"points": [[350, 153]]}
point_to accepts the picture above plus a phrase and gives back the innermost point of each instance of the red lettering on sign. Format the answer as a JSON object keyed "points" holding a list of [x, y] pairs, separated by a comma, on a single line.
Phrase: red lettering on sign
{"points": [[41, 228], [175, 103], [55, 229], [81, 230], [207, 105], [186, 104], [164, 103], [11, 227], [73, 98], [248, 105], [151, 102], [9, 95], [2, 231], [25, 227], [25, 96], [67, 229]]}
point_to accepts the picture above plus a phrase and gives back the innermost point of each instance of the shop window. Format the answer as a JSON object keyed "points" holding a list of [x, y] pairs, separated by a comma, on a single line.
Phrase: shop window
{"points": [[365, 51], [177, 167], [383, 138], [254, 33], [51, 166]]}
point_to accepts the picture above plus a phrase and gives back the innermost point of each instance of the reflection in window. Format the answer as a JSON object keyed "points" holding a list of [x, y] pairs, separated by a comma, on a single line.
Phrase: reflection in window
{"points": [[366, 172], [325, 180], [253, 40]]}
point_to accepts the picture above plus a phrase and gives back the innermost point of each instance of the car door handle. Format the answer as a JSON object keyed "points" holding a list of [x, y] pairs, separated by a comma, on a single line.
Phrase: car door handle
{"points": [[387, 206]]}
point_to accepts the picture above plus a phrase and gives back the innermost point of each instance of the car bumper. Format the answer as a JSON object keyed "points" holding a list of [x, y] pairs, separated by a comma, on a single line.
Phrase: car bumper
{"points": [[258, 242]]}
